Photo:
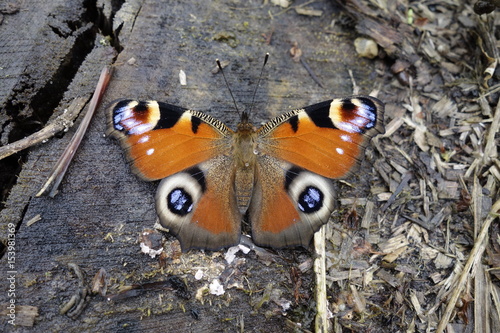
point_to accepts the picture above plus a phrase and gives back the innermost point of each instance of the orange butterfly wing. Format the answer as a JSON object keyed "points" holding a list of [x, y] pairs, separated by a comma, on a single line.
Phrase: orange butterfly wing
{"points": [[163, 139], [297, 151], [199, 205], [326, 138], [191, 151], [289, 204]]}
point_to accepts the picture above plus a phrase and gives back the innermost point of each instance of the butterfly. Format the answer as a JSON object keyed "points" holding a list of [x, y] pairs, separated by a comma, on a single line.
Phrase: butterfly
{"points": [[276, 175]]}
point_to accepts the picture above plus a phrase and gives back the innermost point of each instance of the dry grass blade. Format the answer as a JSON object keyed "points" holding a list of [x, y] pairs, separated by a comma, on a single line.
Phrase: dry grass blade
{"points": [[495, 295], [321, 321], [482, 303], [474, 257], [490, 149]]}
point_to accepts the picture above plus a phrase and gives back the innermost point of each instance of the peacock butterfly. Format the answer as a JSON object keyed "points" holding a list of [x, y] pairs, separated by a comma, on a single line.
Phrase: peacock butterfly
{"points": [[211, 176]]}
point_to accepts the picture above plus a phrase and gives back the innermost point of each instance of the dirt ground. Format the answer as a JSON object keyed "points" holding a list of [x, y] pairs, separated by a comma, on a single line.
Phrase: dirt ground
{"points": [[414, 245]]}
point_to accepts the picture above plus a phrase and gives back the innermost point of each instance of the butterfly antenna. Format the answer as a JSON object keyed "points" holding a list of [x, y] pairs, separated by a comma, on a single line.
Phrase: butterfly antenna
{"points": [[258, 82], [227, 85]]}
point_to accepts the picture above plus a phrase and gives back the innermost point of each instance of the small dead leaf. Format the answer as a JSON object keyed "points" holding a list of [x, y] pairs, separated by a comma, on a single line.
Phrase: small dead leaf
{"points": [[100, 283], [281, 3], [295, 52], [366, 47], [308, 11]]}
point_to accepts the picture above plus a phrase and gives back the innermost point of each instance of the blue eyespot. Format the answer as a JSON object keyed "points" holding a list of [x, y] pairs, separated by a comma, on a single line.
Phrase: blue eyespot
{"points": [[310, 200], [180, 202]]}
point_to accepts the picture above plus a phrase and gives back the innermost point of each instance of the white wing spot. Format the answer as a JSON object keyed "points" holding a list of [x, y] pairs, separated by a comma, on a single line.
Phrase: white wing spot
{"points": [[143, 139], [345, 138], [150, 151], [340, 150]]}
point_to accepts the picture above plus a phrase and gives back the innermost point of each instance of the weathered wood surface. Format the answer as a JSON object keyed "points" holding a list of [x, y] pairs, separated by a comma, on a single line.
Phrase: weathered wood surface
{"points": [[102, 207]]}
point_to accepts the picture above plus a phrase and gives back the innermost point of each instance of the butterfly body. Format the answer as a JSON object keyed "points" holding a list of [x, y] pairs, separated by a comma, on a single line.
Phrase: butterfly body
{"points": [[277, 175]]}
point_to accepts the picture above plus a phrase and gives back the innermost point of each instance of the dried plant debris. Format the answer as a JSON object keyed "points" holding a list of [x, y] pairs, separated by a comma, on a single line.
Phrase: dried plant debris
{"points": [[100, 283], [21, 315], [426, 255], [486, 6], [75, 306], [171, 283]]}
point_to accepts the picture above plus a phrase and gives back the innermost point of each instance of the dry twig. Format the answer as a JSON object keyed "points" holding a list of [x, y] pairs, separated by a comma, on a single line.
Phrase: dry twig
{"points": [[62, 164], [61, 123]]}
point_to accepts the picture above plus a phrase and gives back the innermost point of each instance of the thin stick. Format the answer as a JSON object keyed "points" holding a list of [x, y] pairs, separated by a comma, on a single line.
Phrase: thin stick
{"points": [[61, 123], [311, 72], [62, 164]]}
